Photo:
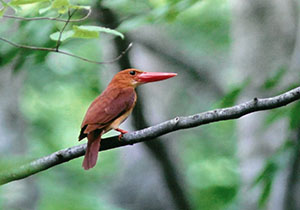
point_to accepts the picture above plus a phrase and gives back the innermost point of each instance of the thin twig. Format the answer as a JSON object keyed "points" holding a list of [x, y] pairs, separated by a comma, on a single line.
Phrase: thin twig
{"points": [[63, 28], [56, 49], [149, 133], [66, 53], [49, 18], [26, 46], [98, 62]]}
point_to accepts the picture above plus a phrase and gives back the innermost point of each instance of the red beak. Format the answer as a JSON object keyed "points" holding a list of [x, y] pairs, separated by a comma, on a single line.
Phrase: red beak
{"points": [[154, 76]]}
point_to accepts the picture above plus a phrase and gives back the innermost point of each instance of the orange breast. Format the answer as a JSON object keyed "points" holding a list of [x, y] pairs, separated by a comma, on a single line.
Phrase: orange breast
{"points": [[115, 124]]}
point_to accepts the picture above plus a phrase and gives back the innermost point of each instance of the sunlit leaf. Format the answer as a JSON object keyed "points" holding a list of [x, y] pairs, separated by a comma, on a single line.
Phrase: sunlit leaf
{"points": [[99, 29], [81, 32], [79, 7], [14, 7], [2, 11], [45, 9], [65, 35], [85, 32], [61, 6], [22, 2]]}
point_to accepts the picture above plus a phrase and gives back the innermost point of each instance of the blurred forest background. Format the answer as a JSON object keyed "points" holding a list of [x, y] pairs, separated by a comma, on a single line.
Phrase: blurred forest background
{"points": [[224, 51]]}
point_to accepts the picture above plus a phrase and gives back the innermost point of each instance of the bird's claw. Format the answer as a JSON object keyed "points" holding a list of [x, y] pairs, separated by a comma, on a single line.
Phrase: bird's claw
{"points": [[122, 133], [120, 137]]}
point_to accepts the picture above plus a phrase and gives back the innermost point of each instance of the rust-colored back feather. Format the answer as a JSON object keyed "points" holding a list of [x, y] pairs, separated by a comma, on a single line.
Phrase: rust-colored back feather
{"points": [[104, 110], [107, 107]]}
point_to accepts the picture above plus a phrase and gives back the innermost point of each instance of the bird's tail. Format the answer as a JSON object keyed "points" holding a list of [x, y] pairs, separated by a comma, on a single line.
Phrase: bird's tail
{"points": [[91, 154]]}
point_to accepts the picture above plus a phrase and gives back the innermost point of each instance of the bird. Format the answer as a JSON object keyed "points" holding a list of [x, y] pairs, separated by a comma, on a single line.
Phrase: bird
{"points": [[112, 107]]}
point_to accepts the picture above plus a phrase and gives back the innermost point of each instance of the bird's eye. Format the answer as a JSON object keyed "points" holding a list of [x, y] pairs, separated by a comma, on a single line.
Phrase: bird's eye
{"points": [[132, 72]]}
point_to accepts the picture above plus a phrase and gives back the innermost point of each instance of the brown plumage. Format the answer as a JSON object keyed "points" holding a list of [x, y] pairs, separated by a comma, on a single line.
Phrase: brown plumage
{"points": [[112, 107]]}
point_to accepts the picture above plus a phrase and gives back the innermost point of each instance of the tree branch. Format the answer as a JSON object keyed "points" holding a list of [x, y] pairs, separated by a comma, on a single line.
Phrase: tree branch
{"points": [[64, 52], [152, 132], [63, 28], [58, 43]]}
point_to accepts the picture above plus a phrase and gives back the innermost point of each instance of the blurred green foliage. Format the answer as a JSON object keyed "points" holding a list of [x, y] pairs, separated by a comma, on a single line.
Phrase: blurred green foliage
{"points": [[278, 161], [58, 90], [275, 79]]}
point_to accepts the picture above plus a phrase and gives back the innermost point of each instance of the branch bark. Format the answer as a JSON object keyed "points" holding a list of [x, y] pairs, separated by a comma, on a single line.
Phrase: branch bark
{"points": [[149, 133]]}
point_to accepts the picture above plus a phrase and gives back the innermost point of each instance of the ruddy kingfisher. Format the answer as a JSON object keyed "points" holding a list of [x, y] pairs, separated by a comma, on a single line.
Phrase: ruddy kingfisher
{"points": [[112, 107]]}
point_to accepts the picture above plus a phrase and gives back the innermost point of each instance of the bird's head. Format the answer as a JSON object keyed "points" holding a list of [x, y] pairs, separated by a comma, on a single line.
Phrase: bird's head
{"points": [[135, 77]]}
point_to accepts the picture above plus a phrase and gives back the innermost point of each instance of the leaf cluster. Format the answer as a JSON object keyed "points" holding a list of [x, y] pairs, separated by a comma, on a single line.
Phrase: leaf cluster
{"points": [[59, 8]]}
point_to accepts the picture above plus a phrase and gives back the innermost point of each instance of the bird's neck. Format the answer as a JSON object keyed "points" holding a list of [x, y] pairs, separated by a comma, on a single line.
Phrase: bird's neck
{"points": [[121, 84]]}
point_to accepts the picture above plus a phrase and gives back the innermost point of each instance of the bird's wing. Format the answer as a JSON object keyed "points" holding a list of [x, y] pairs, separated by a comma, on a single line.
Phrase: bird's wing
{"points": [[110, 105]]}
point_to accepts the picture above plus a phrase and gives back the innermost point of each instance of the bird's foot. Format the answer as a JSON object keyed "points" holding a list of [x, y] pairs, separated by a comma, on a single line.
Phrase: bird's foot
{"points": [[122, 132]]}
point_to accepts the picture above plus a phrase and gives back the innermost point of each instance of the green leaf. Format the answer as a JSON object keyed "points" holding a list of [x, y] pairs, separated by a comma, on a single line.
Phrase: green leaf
{"points": [[265, 193], [85, 32], [61, 6], [266, 177], [14, 7], [45, 9], [267, 173], [273, 116], [172, 14], [80, 32], [65, 35], [294, 116], [230, 98], [99, 29], [22, 2], [2, 11], [133, 23], [8, 56], [79, 7], [4, 4], [274, 80]]}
